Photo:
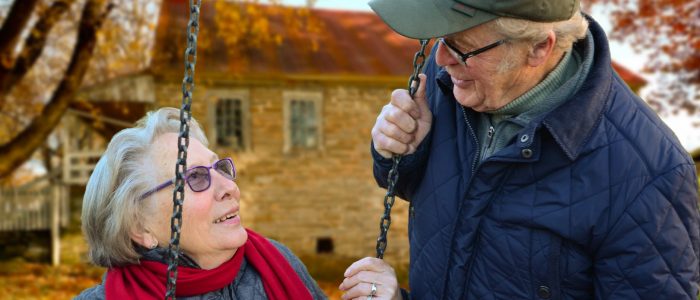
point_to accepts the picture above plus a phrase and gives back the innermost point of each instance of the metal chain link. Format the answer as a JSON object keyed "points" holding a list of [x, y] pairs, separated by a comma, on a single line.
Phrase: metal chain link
{"points": [[385, 221], [183, 142]]}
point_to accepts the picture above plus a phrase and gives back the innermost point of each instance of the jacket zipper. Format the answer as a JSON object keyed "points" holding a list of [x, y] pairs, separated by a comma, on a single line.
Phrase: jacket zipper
{"points": [[489, 134], [489, 140], [473, 134], [474, 164]]}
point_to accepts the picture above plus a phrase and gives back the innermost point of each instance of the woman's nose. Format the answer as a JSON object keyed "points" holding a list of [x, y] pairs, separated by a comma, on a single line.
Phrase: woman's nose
{"points": [[225, 188]]}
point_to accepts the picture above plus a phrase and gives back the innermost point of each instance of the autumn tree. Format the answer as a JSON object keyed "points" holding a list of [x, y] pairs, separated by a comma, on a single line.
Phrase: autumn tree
{"points": [[39, 83], [670, 31], [246, 25], [48, 47]]}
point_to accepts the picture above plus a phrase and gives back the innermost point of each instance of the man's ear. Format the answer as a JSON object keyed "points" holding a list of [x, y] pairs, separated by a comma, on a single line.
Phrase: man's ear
{"points": [[541, 52]]}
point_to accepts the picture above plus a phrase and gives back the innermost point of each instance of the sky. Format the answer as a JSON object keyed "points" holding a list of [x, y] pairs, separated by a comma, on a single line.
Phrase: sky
{"points": [[620, 52]]}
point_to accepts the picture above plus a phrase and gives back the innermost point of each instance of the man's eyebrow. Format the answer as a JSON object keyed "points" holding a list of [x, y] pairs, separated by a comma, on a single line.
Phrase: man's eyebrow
{"points": [[461, 44]]}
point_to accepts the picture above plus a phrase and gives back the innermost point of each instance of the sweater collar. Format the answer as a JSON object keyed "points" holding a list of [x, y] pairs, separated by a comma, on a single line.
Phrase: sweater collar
{"points": [[533, 102]]}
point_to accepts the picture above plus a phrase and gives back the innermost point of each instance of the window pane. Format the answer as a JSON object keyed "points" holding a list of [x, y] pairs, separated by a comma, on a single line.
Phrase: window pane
{"points": [[229, 123], [303, 124]]}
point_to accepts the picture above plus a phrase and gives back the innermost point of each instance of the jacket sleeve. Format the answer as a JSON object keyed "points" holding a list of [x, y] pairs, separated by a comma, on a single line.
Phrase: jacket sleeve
{"points": [[93, 293], [410, 169], [652, 247]]}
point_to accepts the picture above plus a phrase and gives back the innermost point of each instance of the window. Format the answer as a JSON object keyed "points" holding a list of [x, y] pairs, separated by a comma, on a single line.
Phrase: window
{"points": [[229, 119], [302, 120], [229, 123], [303, 125]]}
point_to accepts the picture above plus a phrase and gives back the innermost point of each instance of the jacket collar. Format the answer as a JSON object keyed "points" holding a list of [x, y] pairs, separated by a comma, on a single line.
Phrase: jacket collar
{"points": [[573, 123]]}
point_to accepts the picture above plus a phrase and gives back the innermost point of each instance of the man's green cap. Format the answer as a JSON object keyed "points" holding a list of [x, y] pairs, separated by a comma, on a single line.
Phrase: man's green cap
{"points": [[423, 19]]}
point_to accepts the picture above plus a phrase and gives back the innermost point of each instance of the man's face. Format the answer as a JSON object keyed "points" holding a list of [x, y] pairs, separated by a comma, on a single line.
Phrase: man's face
{"points": [[490, 79]]}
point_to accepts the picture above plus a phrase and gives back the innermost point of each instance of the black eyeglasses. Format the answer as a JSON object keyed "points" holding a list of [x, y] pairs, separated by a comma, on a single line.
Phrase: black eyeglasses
{"points": [[199, 178], [462, 57]]}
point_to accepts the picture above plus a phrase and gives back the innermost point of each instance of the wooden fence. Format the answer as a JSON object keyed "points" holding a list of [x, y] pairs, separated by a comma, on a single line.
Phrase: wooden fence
{"points": [[38, 205]]}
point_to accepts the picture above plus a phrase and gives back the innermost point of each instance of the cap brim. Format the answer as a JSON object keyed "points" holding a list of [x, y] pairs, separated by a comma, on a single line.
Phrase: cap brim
{"points": [[424, 19]]}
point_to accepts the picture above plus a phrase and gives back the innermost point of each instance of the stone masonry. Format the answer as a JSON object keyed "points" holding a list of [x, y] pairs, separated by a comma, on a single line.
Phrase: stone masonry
{"points": [[299, 197]]}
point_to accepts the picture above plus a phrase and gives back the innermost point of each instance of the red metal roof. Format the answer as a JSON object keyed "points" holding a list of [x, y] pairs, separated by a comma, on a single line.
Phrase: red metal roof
{"points": [[628, 76], [349, 43]]}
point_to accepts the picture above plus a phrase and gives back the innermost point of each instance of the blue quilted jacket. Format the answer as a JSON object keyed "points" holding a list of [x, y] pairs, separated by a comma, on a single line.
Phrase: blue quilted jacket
{"points": [[594, 200]]}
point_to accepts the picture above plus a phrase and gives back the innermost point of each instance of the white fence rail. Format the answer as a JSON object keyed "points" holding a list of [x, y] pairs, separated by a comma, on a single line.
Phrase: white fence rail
{"points": [[38, 205], [29, 207], [78, 166]]}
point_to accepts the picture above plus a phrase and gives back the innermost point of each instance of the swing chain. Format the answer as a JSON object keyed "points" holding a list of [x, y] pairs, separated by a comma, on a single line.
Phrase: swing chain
{"points": [[182, 144], [393, 177]]}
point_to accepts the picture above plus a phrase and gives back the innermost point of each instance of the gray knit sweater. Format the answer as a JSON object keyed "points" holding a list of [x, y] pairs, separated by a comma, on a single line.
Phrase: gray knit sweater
{"points": [[247, 285]]}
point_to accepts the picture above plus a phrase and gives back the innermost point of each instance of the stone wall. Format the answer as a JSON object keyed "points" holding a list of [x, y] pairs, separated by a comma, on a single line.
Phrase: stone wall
{"points": [[298, 197]]}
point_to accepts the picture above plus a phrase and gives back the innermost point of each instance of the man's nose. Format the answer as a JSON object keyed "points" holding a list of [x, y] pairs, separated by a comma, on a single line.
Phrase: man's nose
{"points": [[443, 57]]}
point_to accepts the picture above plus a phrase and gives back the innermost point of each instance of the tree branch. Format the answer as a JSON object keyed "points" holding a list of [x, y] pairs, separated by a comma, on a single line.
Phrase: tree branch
{"points": [[9, 33], [33, 46], [20, 148]]}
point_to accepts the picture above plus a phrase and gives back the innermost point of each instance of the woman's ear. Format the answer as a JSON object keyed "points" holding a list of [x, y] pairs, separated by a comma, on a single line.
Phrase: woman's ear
{"points": [[540, 52], [144, 238]]}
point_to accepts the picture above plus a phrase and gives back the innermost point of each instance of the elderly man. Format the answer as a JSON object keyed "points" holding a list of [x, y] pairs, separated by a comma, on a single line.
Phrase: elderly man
{"points": [[532, 170]]}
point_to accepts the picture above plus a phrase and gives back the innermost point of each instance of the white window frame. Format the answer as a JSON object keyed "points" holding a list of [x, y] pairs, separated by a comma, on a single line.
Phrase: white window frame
{"points": [[313, 96], [213, 97]]}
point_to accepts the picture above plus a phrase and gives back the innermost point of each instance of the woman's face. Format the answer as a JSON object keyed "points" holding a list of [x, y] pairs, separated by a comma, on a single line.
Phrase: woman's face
{"points": [[211, 222]]}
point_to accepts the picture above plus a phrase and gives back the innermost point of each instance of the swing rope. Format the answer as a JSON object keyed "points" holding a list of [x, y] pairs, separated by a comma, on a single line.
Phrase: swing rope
{"points": [[385, 221], [182, 144]]}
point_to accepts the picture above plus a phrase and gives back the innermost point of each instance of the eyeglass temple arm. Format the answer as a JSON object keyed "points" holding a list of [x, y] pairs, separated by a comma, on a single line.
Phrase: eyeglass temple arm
{"points": [[482, 50], [158, 188]]}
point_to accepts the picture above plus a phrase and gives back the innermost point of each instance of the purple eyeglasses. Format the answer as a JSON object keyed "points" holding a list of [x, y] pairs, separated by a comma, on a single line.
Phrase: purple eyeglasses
{"points": [[199, 178]]}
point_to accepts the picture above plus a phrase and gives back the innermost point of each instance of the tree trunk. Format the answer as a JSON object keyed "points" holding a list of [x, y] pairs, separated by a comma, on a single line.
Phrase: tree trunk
{"points": [[20, 148]]}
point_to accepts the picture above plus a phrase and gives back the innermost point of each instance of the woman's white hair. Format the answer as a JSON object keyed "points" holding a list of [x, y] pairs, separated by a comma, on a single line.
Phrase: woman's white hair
{"points": [[111, 205], [567, 32]]}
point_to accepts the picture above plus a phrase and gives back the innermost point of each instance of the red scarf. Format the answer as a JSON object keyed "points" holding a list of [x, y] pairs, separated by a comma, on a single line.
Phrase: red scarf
{"points": [[147, 279]]}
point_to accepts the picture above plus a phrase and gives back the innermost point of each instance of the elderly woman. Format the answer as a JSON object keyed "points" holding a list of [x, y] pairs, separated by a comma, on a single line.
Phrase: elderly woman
{"points": [[126, 220]]}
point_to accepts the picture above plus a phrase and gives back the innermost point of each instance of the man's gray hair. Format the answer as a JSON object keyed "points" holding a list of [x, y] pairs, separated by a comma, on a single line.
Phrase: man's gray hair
{"points": [[567, 32], [111, 205]]}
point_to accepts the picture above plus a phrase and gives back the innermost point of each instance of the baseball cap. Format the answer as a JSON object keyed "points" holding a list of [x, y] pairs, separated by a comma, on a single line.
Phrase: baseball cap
{"points": [[422, 19]]}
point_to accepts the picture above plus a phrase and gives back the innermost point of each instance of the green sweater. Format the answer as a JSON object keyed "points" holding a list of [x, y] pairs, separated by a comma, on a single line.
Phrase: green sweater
{"points": [[497, 128]]}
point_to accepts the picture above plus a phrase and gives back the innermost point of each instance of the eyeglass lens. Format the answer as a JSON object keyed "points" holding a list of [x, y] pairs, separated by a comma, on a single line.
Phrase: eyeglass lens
{"points": [[225, 168], [452, 51], [199, 178]]}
